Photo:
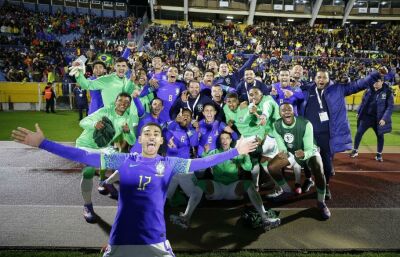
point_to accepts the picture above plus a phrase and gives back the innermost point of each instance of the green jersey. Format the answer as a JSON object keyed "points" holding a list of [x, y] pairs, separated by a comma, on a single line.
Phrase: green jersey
{"points": [[227, 172], [244, 121], [88, 124], [270, 109], [298, 136], [110, 86]]}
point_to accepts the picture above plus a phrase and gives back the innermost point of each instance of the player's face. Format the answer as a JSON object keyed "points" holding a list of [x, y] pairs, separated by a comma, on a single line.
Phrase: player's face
{"points": [[186, 119], [232, 103], [284, 78], [249, 76], [156, 107], [121, 68], [212, 65], [172, 74], [223, 69], [142, 79], [225, 141], [208, 78], [255, 95], [287, 114], [98, 70], [150, 139], [196, 71], [216, 93], [209, 113], [297, 72], [378, 85], [321, 79], [121, 104], [188, 76], [194, 89], [156, 63]]}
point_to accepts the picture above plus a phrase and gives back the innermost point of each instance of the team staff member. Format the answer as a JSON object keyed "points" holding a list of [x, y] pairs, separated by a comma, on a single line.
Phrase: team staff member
{"points": [[375, 112], [324, 106], [49, 95]]}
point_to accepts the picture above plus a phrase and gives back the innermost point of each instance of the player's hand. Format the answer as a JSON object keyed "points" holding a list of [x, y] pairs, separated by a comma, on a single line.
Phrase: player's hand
{"points": [[135, 93], [253, 108], [383, 70], [259, 48], [99, 125], [125, 128], [263, 119], [185, 96], [153, 83], [299, 154], [230, 123], [131, 45], [287, 93], [273, 91], [133, 76], [27, 137], [179, 116], [171, 143], [243, 105], [206, 148], [228, 129], [245, 146], [382, 123], [195, 123]]}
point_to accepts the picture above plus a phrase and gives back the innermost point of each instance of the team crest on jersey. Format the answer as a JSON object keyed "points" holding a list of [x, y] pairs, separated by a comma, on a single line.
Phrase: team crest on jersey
{"points": [[383, 96], [228, 81], [200, 107], [177, 91], [160, 169], [289, 138]]}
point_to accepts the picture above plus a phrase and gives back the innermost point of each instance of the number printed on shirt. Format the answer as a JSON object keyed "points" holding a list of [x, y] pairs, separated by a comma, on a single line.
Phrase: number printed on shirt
{"points": [[170, 98], [143, 182]]}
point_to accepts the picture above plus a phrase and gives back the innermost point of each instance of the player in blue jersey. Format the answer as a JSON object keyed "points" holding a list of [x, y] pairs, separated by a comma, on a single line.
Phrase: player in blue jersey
{"points": [[96, 101], [182, 139], [168, 91], [209, 129], [139, 226]]}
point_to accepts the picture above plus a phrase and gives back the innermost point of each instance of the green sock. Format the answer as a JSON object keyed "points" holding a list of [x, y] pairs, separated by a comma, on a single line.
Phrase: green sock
{"points": [[321, 194], [102, 174]]}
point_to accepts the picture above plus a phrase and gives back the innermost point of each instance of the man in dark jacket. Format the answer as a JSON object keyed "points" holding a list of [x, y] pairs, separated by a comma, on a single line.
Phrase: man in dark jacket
{"points": [[243, 88], [325, 107], [375, 112], [81, 100]]}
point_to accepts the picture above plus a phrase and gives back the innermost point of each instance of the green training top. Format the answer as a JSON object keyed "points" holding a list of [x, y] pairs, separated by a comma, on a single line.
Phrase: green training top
{"points": [[298, 136], [227, 172], [110, 86], [89, 122]]}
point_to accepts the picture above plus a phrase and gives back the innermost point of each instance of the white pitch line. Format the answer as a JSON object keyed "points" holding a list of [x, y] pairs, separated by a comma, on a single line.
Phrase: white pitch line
{"points": [[114, 207], [368, 171]]}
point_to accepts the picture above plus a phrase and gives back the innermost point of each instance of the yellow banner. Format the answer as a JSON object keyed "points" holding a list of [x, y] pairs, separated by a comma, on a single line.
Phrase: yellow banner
{"points": [[24, 92]]}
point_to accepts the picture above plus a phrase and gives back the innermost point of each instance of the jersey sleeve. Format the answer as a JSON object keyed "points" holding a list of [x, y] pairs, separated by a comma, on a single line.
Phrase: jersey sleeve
{"points": [[114, 160], [179, 165], [308, 141]]}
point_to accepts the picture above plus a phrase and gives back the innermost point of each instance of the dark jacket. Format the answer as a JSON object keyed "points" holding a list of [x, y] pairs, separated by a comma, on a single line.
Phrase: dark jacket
{"points": [[334, 93], [384, 105], [243, 92]]}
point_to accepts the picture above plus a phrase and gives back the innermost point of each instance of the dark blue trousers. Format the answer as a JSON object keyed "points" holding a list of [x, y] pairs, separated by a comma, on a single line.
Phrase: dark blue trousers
{"points": [[364, 124]]}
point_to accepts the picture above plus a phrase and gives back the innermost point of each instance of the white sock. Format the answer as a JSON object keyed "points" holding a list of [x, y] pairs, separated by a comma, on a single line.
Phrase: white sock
{"points": [[86, 189], [255, 174], [113, 178], [255, 199], [194, 200], [297, 173]]}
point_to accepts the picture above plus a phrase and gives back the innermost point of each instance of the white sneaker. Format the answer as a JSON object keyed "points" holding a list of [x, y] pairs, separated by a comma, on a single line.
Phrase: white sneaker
{"points": [[179, 220], [271, 223]]}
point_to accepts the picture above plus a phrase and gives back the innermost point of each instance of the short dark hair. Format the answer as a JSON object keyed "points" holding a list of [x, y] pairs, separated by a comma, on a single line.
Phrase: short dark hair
{"points": [[99, 62], [209, 71], [124, 94], [209, 104], [151, 124], [156, 98], [121, 59], [232, 95]]}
